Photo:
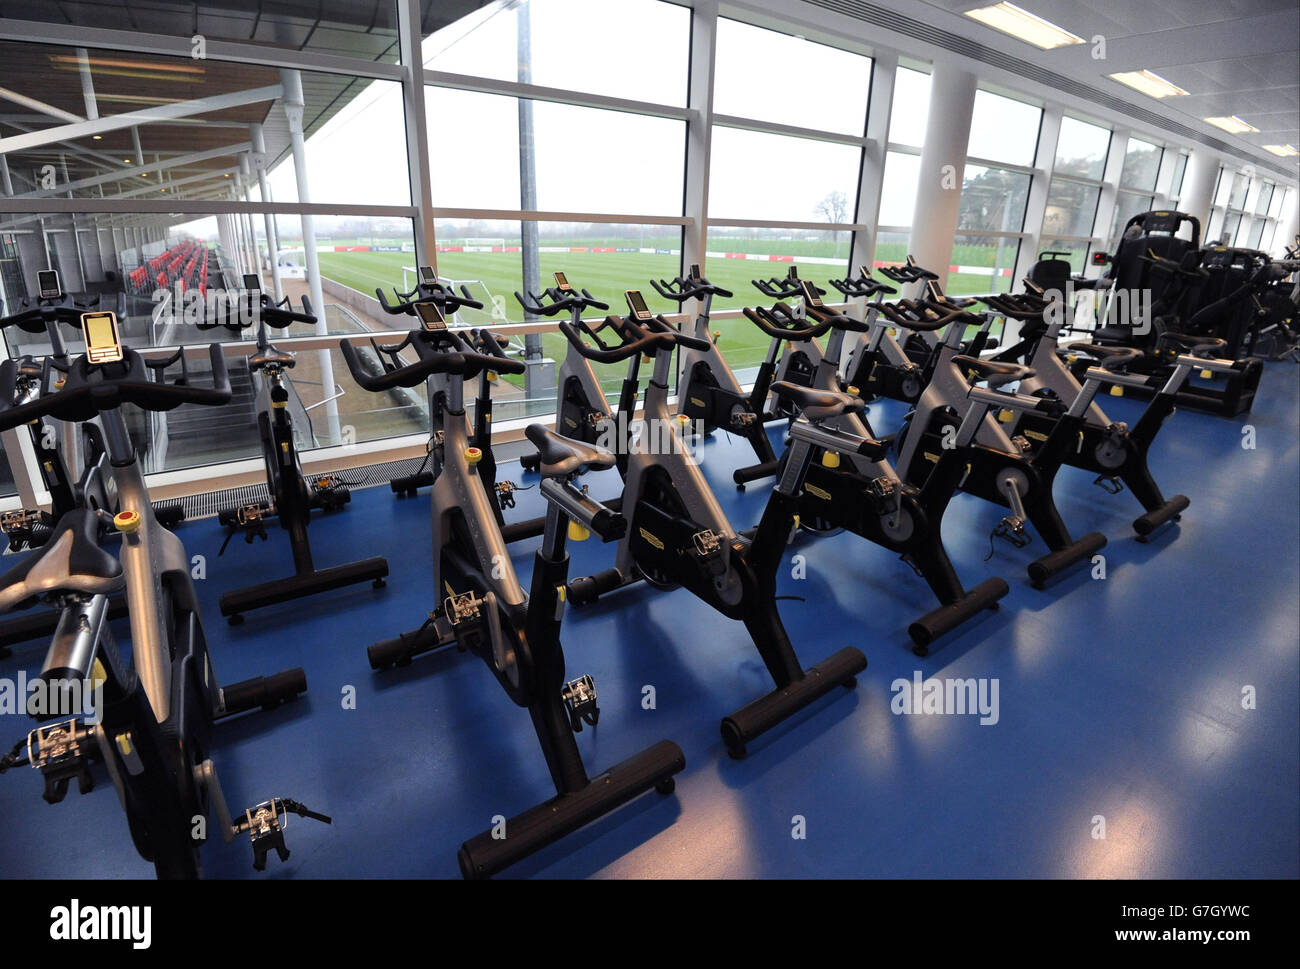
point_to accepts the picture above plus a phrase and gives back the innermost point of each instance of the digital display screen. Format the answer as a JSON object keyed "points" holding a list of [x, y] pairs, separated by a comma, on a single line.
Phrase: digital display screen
{"points": [[794, 273], [431, 317], [102, 344], [636, 303], [810, 293], [562, 282], [695, 272], [253, 281], [47, 280], [426, 274], [864, 272]]}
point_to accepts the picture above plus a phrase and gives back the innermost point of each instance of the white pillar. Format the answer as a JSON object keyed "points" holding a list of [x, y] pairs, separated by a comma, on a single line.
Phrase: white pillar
{"points": [[293, 110], [1197, 195], [1287, 222], [943, 162], [884, 72], [87, 85], [699, 132], [1108, 198], [258, 138], [5, 178], [410, 34]]}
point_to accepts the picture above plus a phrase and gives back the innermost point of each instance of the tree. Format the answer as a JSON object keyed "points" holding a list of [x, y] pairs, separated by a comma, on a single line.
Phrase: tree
{"points": [[833, 208]]}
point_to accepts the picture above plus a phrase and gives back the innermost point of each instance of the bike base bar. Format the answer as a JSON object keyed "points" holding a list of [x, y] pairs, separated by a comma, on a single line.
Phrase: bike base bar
{"points": [[1153, 519], [757, 717], [1054, 563], [936, 623], [304, 584], [484, 855], [267, 692]]}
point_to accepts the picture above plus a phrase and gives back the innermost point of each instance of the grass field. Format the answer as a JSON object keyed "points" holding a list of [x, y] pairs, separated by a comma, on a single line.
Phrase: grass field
{"points": [[608, 274]]}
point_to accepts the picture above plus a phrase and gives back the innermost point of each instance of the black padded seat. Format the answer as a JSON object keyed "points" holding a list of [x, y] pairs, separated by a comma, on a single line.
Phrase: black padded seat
{"points": [[993, 372], [70, 561], [1198, 344], [559, 455], [271, 357], [1114, 359], [818, 405]]}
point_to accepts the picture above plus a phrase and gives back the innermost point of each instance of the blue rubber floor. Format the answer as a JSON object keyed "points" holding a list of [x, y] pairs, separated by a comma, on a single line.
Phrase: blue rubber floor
{"points": [[1118, 699]]}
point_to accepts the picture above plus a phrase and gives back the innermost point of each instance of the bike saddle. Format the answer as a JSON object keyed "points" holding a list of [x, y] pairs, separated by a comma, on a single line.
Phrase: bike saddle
{"points": [[1114, 359], [559, 456], [270, 357], [818, 405], [993, 372], [1199, 346], [70, 561]]}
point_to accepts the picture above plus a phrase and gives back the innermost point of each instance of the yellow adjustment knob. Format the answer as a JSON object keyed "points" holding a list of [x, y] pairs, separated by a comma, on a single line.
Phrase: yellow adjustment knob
{"points": [[717, 335], [1117, 391], [891, 331], [279, 404], [1005, 416], [851, 390], [284, 446], [577, 532], [492, 376], [683, 420], [58, 384], [1071, 358], [646, 358], [49, 466], [1206, 375], [127, 522], [473, 456], [123, 741], [830, 459], [563, 592]]}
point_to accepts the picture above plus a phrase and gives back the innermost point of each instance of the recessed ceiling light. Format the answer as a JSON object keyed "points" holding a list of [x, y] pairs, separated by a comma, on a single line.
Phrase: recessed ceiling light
{"points": [[1148, 82], [97, 137], [1232, 124], [1283, 151], [1022, 24]]}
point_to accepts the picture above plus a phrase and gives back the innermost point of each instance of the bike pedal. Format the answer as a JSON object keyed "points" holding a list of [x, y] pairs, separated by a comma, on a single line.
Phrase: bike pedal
{"points": [[506, 494], [1109, 484], [61, 752], [579, 697]]}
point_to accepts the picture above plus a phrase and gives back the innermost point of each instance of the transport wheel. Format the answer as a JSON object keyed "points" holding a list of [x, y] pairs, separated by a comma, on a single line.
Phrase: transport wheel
{"points": [[667, 785]]}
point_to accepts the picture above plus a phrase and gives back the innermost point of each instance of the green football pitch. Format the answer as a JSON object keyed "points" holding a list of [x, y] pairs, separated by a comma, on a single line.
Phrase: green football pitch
{"points": [[607, 274]]}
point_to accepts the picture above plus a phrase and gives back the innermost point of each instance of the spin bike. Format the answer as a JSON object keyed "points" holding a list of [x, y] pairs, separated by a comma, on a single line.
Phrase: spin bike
{"points": [[708, 392], [678, 534], [154, 717], [292, 498], [581, 408], [866, 495], [483, 607], [951, 442], [70, 457], [1112, 450], [877, 365]]}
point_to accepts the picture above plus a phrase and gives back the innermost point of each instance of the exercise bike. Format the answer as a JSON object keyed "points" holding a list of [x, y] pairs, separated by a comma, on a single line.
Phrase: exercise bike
{"points": [[581, 408], [678, 534], [1112, 450], [292, 499], [950, 434], [484, 609], [70, 457], [708, 392], [153, 725], [877, 365], [865, 494]]}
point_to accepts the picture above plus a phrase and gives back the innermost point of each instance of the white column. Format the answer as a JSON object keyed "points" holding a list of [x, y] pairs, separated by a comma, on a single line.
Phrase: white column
{"points": [[1288, 222], [293, 110], [410, 37], [1109, 196], [943, 162], [699, 132], [258, 139], [87, 85], [1040, 185], [5, 180], [884, 70], [1198, 185]]}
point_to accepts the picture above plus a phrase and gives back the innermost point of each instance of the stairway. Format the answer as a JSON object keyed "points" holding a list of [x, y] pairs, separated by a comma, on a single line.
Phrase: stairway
{"points": [[208, 435]]}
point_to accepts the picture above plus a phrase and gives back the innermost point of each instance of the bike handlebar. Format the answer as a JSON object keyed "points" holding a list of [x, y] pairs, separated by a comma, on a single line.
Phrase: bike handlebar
{"points": [[434, 359], [559, 300], [770, 322], [682, 289], [925, 315], [861, 286], [127, 382], [443, 296]]}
